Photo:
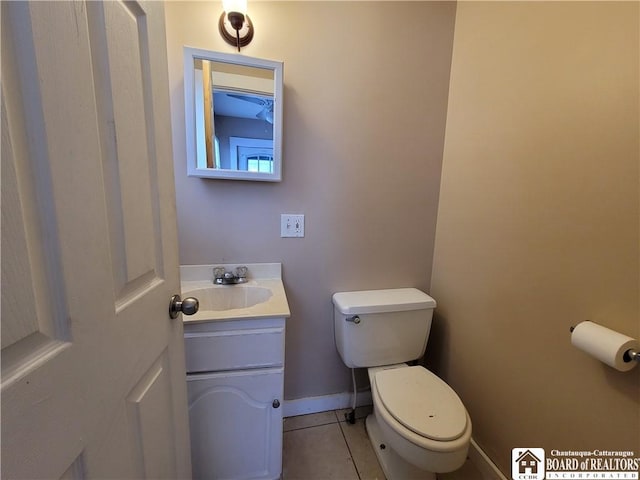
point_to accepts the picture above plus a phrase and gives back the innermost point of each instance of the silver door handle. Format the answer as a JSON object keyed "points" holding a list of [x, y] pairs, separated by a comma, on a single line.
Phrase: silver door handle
{"points": [[188, 306]]}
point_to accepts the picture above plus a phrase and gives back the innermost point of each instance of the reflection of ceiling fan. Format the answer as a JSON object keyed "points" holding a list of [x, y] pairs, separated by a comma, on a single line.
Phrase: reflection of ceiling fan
{"points": [[266, 103]]}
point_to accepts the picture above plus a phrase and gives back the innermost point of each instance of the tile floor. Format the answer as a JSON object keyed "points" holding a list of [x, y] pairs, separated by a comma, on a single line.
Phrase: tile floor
{"points": [[323, 446]]}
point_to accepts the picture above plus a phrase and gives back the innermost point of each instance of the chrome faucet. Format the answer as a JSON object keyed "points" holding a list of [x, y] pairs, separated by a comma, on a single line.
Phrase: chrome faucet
{"points": [[222, 277]]}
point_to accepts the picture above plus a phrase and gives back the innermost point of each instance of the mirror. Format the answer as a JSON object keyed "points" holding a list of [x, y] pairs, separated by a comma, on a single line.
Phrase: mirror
{"points": [[233, 116]]}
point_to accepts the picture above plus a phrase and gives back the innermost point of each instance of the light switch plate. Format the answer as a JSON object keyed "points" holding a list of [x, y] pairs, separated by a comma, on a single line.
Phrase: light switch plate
{"points": [[291, 225]]}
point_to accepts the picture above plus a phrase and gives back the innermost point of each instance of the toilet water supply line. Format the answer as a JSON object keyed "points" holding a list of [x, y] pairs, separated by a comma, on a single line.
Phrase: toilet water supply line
{"points": [[355, 389], [351, 416]]}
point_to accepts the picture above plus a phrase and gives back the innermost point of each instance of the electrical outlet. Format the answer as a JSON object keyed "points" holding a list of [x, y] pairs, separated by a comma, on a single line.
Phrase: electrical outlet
{"points": [[291, 225]]}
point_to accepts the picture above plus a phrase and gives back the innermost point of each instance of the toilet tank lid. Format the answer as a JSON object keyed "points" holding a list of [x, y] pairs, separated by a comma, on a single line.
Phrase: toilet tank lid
{"points": [[380, 301]]}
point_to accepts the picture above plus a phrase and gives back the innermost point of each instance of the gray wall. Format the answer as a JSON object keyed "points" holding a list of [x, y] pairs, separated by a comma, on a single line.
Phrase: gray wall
{"points": [[538, 223], [364, 117]]}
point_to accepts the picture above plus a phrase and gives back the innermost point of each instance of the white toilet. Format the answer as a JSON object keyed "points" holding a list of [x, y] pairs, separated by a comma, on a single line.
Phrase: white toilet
{"points": [[419, 426]]}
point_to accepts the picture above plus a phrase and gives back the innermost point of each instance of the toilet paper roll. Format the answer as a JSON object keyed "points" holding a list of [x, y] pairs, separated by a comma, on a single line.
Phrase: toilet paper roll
{"points": [[606, 345]]}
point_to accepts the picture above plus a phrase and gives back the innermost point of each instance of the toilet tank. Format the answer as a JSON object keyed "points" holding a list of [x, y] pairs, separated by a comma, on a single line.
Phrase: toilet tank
{"points": [[382, 327]]}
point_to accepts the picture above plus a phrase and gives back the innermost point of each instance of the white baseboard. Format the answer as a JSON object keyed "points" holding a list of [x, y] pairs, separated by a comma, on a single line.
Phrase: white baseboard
{"points": [[483, 463], [304, 406]]}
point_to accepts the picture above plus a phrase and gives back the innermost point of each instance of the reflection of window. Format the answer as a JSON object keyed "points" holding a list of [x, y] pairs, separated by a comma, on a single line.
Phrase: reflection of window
{"points": [[260, 163], [257, 150]]}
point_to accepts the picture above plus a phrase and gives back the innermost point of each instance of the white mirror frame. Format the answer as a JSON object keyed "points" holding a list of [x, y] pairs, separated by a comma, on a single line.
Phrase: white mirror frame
{"points": [[190, 54]]}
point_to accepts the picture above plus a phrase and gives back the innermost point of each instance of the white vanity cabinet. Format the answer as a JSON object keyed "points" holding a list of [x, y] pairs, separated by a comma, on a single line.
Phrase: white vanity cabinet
{"points": [[235, 383]]}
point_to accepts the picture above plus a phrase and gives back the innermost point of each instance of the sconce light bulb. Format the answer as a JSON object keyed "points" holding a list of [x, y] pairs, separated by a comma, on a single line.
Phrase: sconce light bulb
{"points": [[239, 6]]}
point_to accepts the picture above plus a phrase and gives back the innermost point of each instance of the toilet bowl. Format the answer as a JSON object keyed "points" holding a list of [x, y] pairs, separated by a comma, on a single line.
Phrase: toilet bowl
{"points": [[419, 426], [420, 419]]}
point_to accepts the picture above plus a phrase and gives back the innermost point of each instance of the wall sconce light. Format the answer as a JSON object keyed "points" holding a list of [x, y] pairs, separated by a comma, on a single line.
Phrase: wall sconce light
{"points": [[235, 25]]}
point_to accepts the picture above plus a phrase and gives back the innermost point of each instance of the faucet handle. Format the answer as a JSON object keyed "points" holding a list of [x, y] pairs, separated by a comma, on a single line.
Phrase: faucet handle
{"points": [[218, 272], [241, 272]]}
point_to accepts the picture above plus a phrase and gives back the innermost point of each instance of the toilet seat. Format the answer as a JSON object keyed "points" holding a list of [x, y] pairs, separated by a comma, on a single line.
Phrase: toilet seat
{"points": [[416, 449], [422, 402]]}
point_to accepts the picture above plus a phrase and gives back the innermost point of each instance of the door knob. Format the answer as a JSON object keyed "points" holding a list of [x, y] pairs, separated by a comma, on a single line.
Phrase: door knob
{"points": [[188, 306]]}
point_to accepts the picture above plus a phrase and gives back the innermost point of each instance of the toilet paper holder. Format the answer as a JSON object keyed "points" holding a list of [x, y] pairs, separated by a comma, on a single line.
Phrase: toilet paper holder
{"points": [[629, 356]]}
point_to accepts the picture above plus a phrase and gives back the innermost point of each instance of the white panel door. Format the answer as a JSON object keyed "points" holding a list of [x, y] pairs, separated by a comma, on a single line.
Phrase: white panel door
{"points": [[93, 376]]}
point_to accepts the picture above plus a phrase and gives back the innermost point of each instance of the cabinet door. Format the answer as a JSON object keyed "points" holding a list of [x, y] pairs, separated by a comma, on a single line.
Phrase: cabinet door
{"points": [[236, 428]]}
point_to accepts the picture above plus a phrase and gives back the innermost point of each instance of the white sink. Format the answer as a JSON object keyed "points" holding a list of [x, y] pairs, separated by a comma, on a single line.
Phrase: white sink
{"points": [[263, 295], [230, 297]]}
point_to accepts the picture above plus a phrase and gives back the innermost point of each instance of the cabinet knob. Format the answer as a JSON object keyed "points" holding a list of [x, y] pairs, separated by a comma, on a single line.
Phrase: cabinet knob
{"points": [[276, 403]]}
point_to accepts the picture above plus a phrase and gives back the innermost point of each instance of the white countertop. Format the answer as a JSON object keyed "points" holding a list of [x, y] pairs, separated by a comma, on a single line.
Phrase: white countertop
{"points": [[266, 275]]}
